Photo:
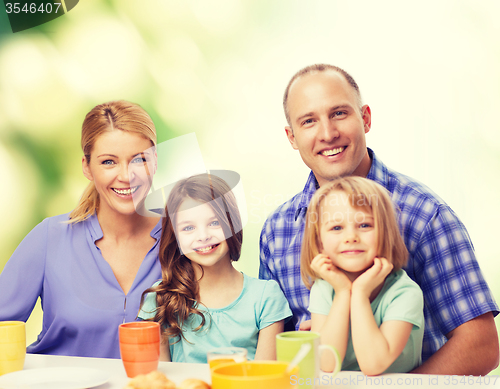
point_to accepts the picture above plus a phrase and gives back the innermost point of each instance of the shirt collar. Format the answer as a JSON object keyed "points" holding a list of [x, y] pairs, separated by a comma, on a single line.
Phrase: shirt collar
{"points": [[96, 230], [308, 192], [378, 173], [94, 227]]}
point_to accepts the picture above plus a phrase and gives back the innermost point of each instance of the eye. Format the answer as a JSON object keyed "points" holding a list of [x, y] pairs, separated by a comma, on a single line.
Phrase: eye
{"points": [[306, 122], [339, 113], [365, 225], [139, 160], [188, 229], [108, 162], [336, 228], [215, 223]]}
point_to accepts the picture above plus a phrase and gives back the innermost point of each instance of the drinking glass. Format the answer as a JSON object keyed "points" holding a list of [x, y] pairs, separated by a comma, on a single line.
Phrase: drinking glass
{"points": [[220, 355], [139, 347], [12, 346]]}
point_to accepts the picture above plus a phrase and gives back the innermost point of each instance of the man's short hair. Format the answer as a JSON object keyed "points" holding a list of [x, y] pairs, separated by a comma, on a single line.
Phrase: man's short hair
{"points": [[319, 68]]}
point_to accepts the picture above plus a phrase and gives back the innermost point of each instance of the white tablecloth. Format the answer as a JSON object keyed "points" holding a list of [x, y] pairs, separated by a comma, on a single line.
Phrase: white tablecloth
{"points": [[177, 372]]}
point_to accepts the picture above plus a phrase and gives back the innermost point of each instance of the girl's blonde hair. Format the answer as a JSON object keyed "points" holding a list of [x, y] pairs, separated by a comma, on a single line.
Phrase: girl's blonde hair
{"points": [[361, 194], [114, 115]]}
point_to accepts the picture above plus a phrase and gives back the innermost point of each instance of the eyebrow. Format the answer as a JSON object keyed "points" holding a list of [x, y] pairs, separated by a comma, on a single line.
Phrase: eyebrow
{"points": [[335, 108], [115, 156], [193, 221], [298, 120]]}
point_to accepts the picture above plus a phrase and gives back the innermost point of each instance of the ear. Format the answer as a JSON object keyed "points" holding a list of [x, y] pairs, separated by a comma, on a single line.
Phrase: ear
{"points": [[86, 169], [291, 137], [367, 117]]}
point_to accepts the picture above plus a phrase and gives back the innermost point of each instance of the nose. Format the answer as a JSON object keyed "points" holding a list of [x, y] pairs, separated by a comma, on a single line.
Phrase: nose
{"points": [[351, 235], [123, 173], [203, 235], [328, 130]]}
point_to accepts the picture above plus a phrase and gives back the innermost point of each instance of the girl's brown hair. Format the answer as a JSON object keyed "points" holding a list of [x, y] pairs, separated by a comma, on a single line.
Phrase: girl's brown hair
{"points": [[361, 194], [114, 115], [177, 294]]}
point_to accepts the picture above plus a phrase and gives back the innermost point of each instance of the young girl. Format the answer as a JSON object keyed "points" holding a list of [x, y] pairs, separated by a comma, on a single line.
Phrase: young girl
{"points": [[361, 302], [202, 301]]}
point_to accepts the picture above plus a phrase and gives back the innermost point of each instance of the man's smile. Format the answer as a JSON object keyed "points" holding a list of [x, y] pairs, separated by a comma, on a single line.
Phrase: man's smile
{"points": [[335, 151]]}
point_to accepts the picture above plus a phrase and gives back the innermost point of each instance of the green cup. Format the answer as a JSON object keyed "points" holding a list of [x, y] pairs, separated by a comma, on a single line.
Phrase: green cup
{"points": [[288, 345]]}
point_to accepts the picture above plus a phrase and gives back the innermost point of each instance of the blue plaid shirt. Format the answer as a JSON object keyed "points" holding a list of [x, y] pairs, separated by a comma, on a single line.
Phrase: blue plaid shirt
{"points": [[441, 255]]}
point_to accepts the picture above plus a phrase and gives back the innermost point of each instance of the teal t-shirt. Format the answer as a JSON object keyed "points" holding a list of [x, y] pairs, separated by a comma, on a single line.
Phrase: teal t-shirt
{"points": [[400, 299], [260, 304]]}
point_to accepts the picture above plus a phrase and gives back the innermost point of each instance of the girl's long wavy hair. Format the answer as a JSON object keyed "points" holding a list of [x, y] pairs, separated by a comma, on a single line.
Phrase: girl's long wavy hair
{"points": [[178, 293], [363, 194], [115, 115]]}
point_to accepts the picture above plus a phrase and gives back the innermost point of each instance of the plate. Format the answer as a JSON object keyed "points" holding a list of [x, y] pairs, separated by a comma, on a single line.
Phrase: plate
{"points": [[54, 378]]}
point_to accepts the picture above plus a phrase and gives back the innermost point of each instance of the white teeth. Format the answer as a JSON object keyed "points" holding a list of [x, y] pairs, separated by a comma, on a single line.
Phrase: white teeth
{"points": [[126, 191], [205, 249], [332, 151]]}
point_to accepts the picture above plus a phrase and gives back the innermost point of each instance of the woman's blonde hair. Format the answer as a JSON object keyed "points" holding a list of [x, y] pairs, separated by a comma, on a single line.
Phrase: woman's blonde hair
{"points": [[114, 115], [361, 194]]}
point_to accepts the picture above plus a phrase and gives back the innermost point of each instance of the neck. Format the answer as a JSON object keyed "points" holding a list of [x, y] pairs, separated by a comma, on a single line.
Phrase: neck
{"points": [[223, 273], [364, 167], [125, 226]]}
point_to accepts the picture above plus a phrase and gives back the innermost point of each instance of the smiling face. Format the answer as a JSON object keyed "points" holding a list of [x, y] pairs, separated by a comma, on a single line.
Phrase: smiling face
{"points": [[327, 126], [121, 166], [200, 234], [348, 235]]}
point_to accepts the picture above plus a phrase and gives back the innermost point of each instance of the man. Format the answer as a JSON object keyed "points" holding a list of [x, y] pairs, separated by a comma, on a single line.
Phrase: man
{"points": [[327, 125]]}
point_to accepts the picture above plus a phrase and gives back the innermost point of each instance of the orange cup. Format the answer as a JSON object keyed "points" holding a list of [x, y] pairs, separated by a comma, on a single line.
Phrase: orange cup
{"points": [[139, 347]]}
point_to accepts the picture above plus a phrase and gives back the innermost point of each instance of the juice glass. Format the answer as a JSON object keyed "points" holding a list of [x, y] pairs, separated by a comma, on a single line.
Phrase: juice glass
{"points": [[221, 355]]}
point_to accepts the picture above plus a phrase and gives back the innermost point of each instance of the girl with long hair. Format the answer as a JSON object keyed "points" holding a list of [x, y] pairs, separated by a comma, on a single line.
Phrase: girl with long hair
{"points": [[202, 301], [90, 267], [362, 302]]}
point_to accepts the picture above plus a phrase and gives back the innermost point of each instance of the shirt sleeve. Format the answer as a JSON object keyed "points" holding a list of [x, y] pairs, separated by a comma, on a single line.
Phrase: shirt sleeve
{"points": [[21, 280], [321, 297], [405, 303], [448, 272], [274, 306], [265, 256]]}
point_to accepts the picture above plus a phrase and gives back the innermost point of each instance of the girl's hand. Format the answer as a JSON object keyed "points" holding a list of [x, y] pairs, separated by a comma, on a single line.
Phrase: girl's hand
{"points": [[367, 282], [324, 268]]}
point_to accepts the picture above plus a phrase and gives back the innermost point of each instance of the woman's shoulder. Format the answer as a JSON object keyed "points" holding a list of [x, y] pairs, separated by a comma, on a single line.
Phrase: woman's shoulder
{"points": [[61, 224], [58, 223]]}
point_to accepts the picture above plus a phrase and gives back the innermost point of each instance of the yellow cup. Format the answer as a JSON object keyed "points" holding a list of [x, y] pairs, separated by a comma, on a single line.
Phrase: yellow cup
{"points": [[218, 356], [12, 346], [252, 375]]}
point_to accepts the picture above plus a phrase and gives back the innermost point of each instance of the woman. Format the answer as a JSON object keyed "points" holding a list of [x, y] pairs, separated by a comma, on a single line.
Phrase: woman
{"points": [[90, 267]]}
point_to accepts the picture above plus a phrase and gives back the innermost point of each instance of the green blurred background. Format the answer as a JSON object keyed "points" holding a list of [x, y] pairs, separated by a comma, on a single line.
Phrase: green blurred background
{"points": [[429, 71]]}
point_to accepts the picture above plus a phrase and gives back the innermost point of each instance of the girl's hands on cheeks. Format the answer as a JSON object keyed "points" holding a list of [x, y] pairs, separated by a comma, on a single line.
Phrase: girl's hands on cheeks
{"points": [[324, 268], [367, 282]]}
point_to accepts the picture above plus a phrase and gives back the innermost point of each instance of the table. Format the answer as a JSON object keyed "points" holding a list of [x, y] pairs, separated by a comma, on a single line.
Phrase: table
{"points": [[177, 372]]}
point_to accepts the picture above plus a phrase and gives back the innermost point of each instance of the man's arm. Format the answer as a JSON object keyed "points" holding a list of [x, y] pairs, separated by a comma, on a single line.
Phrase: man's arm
{"points": [[471, 349]]}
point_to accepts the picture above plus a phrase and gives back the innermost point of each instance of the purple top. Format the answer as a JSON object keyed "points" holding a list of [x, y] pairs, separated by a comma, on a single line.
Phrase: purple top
{"points": [[82, 302]]}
